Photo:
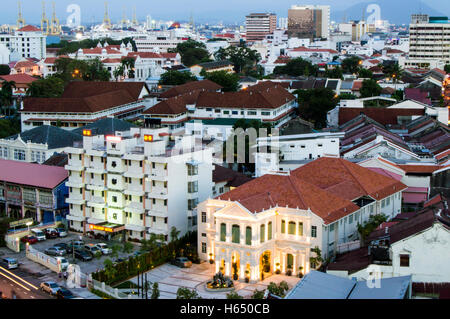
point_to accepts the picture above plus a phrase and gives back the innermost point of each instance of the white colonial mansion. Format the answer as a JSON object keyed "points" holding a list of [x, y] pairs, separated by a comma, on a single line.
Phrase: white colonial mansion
{"points": [[273, 222]]}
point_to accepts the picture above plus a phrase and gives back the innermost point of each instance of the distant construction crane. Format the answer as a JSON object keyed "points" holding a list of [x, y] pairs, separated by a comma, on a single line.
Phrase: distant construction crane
{"points": [[55, 26], [106, 19], [134, 21], [20, 19], [45, 25], [124, 20]]}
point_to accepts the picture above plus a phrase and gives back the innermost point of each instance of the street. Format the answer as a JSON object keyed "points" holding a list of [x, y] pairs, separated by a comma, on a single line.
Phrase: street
{"points": [[18, 284]]}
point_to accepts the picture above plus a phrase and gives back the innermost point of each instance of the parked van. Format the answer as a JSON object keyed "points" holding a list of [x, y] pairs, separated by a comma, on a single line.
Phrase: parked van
{"points": [[39, 234], [10, 263]]}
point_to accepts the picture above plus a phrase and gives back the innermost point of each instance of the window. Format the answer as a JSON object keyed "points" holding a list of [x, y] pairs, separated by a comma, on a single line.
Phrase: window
{"points": [[283, 226], [19, 155], [203, 217], [300, 229], [204, 248], [192, 203], [192, 170], [269, 231], [291, 228], [248, 235], [383, 203], [223, 232], [192, 187], [114, 199], [263, 233], [313, 231], [290, 260], [350, 219], [114, 164], [404, 260], [235, 234]]}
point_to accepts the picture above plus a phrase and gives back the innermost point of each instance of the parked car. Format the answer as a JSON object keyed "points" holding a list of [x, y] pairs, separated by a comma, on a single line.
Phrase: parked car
{"points": [[64, 263], [104, 248], [50, 286], [39, 234], [182, 262], [29, 239], [55, 251], [92, 249], [50, 233], [82, 255], [10, 263], [61, 232], [62, 246], [77, 244], [64, 293]]}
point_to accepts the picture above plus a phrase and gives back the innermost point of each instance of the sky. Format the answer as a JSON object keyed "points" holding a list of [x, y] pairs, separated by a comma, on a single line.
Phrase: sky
{"points": [[230, 11]]}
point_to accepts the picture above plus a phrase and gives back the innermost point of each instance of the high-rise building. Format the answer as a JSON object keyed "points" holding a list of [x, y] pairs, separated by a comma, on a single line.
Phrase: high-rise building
{"points": [[26, 42], [258, 25], [429, 42], [309, 21]]}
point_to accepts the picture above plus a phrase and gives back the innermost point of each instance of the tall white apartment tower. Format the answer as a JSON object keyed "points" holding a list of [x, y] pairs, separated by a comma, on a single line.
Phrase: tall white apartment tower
{"points": [[27, 42], [137, 183], [429, 42]]}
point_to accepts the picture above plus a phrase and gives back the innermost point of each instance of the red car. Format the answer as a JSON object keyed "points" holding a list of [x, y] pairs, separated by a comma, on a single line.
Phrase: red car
{"points": [[29, 239]]}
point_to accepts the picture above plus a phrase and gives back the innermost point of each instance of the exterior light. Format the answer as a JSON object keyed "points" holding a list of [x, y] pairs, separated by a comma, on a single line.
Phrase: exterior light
{"points": [[77, 71], [148, 138], [87, 132], [112, 138]]}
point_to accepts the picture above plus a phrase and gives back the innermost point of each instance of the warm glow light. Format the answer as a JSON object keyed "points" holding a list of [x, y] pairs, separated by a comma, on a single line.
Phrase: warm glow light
{"points": [[148, 138], [112, 138], [87, 132], [96, 227], [79, 36]]}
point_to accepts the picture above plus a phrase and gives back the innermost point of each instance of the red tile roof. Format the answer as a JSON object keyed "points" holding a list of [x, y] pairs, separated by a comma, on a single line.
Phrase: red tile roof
{"points": [[233, 178], [334, 179], [145, 55], [19, 78], [304, 49], [205, 85], [31, 174], [433, 200], [28, 28], [24, 64], [383, 116], [420, 168]]}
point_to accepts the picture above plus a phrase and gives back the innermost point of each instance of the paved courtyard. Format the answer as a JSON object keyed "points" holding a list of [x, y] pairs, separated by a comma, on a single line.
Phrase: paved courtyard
{"points": [[170, 278]]}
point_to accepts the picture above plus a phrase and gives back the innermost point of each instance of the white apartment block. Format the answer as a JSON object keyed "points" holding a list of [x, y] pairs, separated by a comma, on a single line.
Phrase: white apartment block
{"points": [[137, 183], [27, 42], [285, 216], [429, 39], [161, 40], [258, 25], [287, 152]]}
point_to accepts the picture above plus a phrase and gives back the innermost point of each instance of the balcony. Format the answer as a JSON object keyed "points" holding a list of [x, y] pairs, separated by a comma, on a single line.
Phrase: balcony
{"points": [[134, 174], [158, 193], [95, 201], [96, 187], [134, 207], [157, 211], [159, 175], [76, 167]]}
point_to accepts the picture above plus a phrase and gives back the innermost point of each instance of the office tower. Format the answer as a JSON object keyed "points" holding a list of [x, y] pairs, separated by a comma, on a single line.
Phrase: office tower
{"points": [[309, 21], [258, 25]]}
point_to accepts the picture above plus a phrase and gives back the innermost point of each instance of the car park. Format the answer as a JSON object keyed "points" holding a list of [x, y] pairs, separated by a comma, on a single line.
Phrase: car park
{"points": [[64, 293], [92, 249], [61, 232], [82, 255], [29, 239], [104, 248], [182, 262], [10, 263], [39, 234], [55, 251], [51, 233], [50, 287], [77, 244], [62, 246]]}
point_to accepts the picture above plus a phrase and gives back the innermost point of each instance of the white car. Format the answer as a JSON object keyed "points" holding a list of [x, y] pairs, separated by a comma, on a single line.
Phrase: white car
{"points": [[63, 262], [104, 248]]}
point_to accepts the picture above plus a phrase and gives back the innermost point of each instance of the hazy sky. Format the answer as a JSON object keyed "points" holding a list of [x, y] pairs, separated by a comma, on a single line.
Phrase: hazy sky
{"points": [[202, 10]]}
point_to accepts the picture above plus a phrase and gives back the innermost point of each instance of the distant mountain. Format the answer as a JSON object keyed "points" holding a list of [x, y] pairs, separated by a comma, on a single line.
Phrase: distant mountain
{"points": [[397, 12]]}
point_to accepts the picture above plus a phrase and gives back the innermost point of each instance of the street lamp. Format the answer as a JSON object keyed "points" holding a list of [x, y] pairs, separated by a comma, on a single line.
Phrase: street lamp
{"points": [[29, 224]]}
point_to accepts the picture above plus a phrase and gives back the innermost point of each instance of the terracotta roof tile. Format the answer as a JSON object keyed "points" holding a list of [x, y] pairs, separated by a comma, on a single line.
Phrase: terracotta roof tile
{"points": [[205, 85], [29, 28]]}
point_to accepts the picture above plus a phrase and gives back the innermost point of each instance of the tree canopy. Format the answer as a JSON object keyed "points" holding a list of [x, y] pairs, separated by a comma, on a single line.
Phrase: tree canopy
{"points": [[314, 105], [192, 52], [447, 68], [173, 77], [5, 69], [364, 73], [66, 47], [335, 73], [351, 64], [370, 88], [297, 67], [244, 59], [51, 86], [229, 81], [87, 70]]}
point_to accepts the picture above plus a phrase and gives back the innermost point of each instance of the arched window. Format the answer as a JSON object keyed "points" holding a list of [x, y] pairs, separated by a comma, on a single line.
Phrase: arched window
{"points": [[269, 231], [300, 229], [235, 234], [283, 226], [291, 228], [223, 232], [263, 233], [248, 235]]}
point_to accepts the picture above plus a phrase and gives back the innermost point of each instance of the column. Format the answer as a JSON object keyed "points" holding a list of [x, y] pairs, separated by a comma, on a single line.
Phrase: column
{"points": [[307, 266], [294, 264], [242, 265], [283, 262]]}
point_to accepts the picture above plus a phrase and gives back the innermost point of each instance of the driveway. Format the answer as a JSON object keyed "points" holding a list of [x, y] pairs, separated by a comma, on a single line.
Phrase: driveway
{"points": [[170, 278]]}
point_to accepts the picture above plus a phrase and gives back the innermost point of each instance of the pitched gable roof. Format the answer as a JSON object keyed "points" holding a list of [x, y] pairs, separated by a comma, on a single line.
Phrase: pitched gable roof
{"points": [[205, 85], [53, 136]]}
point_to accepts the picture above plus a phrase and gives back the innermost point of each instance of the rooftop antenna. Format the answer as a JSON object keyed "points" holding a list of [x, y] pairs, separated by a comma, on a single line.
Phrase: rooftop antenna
{"points": [[55, 27], [20, 19], [106, 19], [134, 20], [45, 25]]}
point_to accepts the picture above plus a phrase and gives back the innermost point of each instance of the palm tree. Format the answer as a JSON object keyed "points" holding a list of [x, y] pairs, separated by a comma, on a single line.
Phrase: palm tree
{"points": [[174, 232], [6, 95]]}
